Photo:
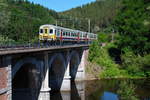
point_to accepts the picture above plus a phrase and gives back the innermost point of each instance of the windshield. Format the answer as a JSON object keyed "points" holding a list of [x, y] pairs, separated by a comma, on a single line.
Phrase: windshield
{"points": [[41, 30], [46, 31]]}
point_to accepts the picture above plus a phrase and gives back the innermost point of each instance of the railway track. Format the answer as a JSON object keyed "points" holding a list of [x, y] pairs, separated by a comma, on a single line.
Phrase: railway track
{"points": [[15, 49]]}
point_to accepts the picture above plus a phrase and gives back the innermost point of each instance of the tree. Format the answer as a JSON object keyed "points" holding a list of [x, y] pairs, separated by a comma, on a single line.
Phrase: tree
{"points": [[131, 25], [4, 15], [94, 51]]}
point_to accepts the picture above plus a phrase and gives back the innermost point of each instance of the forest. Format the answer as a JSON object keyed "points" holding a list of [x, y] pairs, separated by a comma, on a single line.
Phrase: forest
{"points": [[127, 54], [20, 21], [101, 13], [123, 28]]}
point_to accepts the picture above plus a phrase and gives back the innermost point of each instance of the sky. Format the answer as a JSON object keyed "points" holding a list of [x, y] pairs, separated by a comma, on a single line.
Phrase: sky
{"points": [[61, 5]]}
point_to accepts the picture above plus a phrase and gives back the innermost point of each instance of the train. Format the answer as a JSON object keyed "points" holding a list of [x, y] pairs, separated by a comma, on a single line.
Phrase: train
{"points": [[56, 34]]}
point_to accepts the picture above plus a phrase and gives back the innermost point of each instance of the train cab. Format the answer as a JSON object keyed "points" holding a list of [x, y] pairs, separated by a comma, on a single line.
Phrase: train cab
{"points": [[47, 32]]}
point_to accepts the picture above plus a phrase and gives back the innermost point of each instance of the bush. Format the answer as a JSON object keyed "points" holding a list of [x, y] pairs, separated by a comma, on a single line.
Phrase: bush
{"points": [[94, 51], [131, 25], [103, 37], [137, 66], [110, 69], [6, 40], [113, 72]]}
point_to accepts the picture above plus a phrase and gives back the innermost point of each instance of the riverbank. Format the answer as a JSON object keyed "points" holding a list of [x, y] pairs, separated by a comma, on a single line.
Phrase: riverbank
{"points": [[103, 63]]}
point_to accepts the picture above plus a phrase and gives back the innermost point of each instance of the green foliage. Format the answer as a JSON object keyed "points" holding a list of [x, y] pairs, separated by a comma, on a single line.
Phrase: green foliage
{"points": [[110, 68], [132, 25], [137, 66], [4, 14], [94, 51], [100, 12], [113, 72], [103, 37], [6, 40], [102, 58], [25, 20]]}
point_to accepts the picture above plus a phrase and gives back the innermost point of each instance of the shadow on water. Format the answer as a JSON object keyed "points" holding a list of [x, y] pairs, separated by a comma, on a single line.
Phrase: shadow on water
{"points": [[114, 89], [74, 92], [67, 95]]}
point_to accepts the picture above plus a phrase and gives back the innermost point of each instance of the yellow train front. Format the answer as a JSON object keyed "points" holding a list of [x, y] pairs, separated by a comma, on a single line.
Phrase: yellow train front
{"points": [[47, 33]]}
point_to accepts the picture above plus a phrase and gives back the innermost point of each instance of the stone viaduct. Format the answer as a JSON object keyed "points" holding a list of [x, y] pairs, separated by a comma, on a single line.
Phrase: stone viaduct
{"points": [[40, 69]]}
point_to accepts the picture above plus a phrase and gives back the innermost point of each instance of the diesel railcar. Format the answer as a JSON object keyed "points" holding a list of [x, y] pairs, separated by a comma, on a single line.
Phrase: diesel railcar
{"points": [[57, 34]]}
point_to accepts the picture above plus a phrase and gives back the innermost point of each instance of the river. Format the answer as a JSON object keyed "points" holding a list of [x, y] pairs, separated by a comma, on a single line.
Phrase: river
{"points": [[110, 89]]}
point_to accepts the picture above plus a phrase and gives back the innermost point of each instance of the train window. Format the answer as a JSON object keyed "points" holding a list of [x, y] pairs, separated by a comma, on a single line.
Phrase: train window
{"points": [[80, 34], [63, 33], [67, 33], [51, 31], [45, 30], [41, 30], [58, 32]]}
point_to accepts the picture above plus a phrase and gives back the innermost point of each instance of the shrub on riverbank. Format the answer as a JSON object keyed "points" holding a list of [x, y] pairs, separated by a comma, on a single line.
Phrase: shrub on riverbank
{"points": [[101, 56], [136, 65], [133, 66]]}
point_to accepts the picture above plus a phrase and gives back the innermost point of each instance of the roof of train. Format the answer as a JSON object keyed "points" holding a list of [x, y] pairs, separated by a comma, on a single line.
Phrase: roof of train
{"points": [[49, 25]]}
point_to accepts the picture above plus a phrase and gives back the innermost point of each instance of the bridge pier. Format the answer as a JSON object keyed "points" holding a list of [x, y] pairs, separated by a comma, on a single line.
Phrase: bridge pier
{"points": [[45, 75], [80, 75], [5, 78], [66, 84]]}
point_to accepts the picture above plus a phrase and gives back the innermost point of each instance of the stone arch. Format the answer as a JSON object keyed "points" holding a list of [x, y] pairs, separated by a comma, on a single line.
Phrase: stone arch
{"points": [[27, 77], [57, 67], [74, 60], [29, 60]]}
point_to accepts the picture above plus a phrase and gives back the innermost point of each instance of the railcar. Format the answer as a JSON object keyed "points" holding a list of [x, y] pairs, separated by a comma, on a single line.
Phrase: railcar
{"points": [[57, 34]]}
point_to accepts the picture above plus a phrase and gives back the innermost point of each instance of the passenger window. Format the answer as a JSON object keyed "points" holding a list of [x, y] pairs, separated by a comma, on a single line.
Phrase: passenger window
{"points": [[51, 31], [58, 33], [63, 33], [55, 32]]}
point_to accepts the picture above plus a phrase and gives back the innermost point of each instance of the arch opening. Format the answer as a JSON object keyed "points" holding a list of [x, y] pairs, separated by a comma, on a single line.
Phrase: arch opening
{"points": [[56, 73], [74, 64], [26, 82]]}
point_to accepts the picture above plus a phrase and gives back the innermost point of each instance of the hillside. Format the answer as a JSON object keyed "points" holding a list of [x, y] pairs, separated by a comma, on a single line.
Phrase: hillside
{"points": [[101, 13], [24, 19]]}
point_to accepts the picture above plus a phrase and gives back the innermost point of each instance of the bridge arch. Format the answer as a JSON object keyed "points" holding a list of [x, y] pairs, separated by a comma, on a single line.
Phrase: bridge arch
{"points": [[57, 67], [27, 73], [74, 60]]}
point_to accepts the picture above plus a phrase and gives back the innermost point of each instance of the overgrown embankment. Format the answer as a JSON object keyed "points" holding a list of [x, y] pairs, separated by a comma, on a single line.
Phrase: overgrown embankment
{"points": [[128, 54], [104, 63]]}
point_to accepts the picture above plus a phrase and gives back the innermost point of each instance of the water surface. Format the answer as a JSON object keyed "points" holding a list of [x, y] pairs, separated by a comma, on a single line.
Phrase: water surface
{"points": [[113, 89]]}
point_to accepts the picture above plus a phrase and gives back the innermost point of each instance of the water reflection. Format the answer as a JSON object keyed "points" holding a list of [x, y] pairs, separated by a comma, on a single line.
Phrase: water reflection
{"points": [[94, 90], [109, 96]]}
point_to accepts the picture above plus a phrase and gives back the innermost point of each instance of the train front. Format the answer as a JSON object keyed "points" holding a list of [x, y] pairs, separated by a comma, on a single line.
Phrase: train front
{"points": [[47, 33]]}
